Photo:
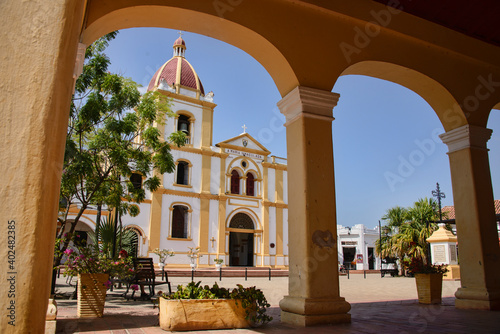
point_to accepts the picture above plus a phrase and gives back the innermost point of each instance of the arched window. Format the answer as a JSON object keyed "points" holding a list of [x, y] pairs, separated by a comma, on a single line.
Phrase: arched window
{"points": [[250, 184], [235, 182], [136, 180], [180, 222], [132, 238], [182, 173], [183, 124]]}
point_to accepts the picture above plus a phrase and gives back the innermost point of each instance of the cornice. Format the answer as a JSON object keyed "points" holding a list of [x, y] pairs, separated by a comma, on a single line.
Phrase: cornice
{"points": [[308, 102], [243, 149], [467, 136]]}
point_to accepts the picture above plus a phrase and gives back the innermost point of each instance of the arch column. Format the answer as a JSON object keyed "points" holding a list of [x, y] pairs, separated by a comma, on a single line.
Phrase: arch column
{"points": [[313, 291], [475, 218]]}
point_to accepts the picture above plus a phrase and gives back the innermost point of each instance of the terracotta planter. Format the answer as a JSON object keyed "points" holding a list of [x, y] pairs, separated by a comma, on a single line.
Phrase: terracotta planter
{"points": [[201, 314], [429, 287], [91, 295]]}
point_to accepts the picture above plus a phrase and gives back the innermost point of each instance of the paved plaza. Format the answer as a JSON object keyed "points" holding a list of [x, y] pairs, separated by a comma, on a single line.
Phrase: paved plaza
{"points": [[379, 305]]}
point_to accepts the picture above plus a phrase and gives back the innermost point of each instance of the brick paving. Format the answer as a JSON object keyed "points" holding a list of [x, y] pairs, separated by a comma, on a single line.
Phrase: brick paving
{"points": [[379, 305]]}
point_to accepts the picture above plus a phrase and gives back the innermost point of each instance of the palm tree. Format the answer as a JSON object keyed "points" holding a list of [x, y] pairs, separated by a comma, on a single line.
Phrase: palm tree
{"points": [[411, 241], [103, 238], [410, 229], [395, 217]]}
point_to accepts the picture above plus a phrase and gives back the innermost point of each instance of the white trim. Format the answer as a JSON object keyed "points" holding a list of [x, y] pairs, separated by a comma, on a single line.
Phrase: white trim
{"points": [[466, 136]]}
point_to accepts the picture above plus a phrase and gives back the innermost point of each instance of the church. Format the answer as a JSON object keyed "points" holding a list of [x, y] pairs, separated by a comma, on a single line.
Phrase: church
{"points": [[228, 199]]}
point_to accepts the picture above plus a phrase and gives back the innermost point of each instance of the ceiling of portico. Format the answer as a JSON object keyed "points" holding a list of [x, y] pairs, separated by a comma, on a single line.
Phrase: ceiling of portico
{"points": [[477, 19]]}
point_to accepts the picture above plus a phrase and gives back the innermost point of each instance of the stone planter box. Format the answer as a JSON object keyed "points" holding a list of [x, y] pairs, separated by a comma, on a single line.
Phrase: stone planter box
{"points": [[201, 314], [429, 287], [91, 295]]}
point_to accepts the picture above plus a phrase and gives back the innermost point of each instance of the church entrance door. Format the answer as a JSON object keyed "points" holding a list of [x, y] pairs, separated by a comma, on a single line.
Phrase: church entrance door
{"points": [[241, 249]]}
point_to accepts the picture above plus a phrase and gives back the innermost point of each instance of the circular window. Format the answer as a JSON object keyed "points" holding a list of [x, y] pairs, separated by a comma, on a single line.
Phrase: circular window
{"points": [[244, 164]]}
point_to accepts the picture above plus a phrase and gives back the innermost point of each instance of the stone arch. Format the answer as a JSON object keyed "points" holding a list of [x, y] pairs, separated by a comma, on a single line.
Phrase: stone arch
{"points": [[242, 220], [439, 98], [256, 222], [115, 15]]}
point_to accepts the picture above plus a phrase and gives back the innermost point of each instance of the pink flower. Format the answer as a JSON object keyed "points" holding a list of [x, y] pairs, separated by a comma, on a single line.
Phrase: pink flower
{"points": [[68, 251], [107, 284], [134, 287]]}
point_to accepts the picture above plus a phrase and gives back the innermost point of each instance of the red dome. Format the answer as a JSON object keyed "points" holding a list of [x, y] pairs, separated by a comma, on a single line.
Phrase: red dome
{"points": [[168, 72], [179, 41]]}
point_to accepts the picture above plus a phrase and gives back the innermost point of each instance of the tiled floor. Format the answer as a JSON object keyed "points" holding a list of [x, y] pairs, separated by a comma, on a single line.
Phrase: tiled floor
{"points": [[401, 315]]}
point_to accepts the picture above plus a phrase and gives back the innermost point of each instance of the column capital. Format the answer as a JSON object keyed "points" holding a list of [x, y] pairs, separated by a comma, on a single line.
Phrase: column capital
{"points": [[308, 102], [465, 137]]}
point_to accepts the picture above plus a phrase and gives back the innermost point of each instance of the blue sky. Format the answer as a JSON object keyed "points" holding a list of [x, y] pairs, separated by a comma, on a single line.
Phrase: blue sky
{"points": [[386, 151]]}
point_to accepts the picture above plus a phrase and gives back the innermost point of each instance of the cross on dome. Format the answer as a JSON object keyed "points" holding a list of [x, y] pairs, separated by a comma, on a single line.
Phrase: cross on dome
{"points": [[244, 128]]}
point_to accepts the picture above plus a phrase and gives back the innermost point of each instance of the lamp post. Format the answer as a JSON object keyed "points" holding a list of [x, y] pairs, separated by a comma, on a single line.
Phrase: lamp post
{"points": [[380, 245], [438, 194]]}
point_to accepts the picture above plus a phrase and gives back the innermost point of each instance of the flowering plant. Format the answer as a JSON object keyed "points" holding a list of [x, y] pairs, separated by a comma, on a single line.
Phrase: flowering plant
{"points": [[218, 261], [86, 260], [193, 253], [418, 266], [163, 254]]}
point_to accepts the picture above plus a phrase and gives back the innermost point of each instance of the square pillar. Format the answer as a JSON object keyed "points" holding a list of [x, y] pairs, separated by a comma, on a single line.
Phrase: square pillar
{"points": [[313, 293], [479, 253]]}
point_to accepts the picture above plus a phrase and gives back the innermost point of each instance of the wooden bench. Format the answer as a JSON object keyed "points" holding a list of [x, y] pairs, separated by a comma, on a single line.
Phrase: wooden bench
{"points": [[145, 275]]}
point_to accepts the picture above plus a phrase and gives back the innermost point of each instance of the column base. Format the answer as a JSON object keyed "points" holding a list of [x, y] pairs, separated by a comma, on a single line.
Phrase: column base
{"points": [[477, 299], [306, 312]]}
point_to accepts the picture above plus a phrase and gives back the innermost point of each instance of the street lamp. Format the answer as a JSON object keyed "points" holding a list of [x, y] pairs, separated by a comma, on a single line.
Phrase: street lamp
{"points": [[438, 194]]}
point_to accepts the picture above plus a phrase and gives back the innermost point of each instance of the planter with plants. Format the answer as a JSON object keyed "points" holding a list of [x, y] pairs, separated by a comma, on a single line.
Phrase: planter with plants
{"points": [[196, 307], [429, 280], [93, 269], [218, 263]]}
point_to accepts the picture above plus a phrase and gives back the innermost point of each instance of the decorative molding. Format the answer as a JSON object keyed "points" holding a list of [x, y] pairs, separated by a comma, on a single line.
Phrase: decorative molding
{"points": [[253, 203], [209, 196], [275, 204], [275, 166], [178, 193], [308, 102], [186, 98], [199, 151], [243, 149], [467, 136], [182, 185], [179, 239]]}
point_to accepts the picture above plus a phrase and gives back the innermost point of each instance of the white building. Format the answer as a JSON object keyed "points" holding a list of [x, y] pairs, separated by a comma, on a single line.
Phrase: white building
{"points": [[356, 247], [228, 199]]}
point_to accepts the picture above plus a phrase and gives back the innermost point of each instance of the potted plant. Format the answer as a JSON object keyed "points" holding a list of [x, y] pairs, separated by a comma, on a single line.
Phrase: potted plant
{"points": [[196, 307], [218, 263], [429, 280], [193, 254], [93, 269], [163, 255]]}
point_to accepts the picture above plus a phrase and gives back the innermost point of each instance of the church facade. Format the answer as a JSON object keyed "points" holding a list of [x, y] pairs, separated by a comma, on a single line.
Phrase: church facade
{"points": [[228, 199]]}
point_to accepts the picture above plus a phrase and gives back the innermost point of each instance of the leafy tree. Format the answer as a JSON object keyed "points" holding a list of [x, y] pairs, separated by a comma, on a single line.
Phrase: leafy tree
{"points": [[113, 132]]}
